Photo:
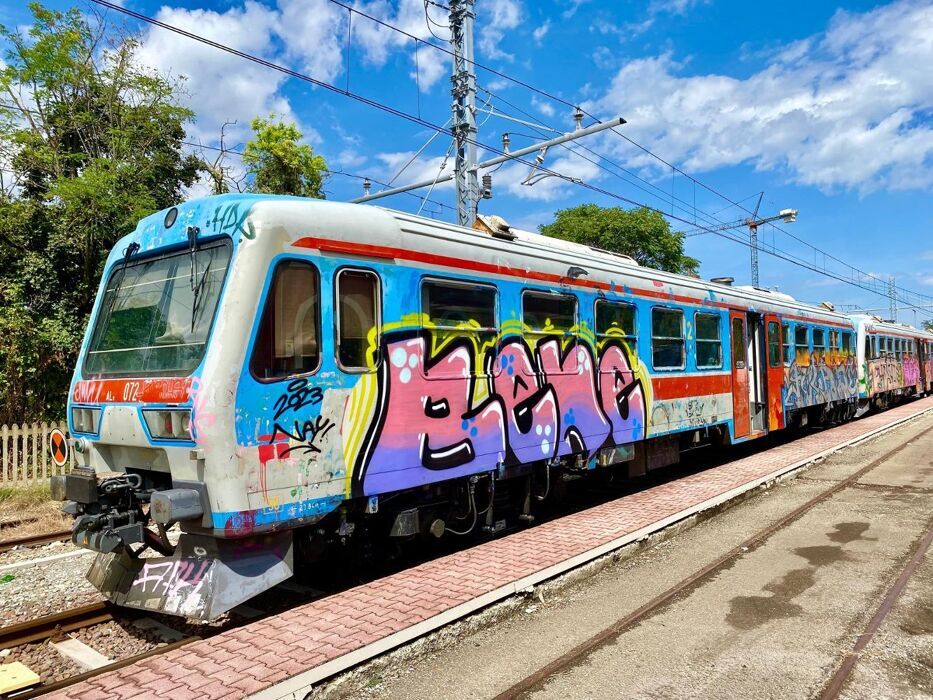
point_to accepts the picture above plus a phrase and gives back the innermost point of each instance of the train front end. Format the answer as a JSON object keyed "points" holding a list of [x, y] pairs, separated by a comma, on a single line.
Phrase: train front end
{"points": [[147, 433]]}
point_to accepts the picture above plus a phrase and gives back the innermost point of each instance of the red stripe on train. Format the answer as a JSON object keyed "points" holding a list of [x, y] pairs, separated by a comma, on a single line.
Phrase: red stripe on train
{"points": [[387, 252], [171, 390], [685, 386]]}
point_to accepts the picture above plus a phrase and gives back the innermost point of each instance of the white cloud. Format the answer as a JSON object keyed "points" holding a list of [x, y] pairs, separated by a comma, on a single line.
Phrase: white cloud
{"points": [[572, 7], [674, 7], [543, 106], [308, 35], [497, 18], [847, 108], [219, 85], [541, 32]]}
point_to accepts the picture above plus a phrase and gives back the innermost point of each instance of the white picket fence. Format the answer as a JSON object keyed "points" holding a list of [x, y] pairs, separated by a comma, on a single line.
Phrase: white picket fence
{"points": [[25, 458]]}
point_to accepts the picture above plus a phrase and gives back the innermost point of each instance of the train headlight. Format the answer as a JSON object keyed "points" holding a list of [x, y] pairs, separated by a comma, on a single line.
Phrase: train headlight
{"points": [[85, 420], [168, 424]]}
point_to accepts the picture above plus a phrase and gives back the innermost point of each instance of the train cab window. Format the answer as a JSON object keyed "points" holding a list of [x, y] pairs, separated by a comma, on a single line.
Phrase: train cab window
{"points": [[708, 341], [802, 339], [616, 320], [668, 346], [788, 349], [287, 342], [819, 340], [358, 312], [848, 344], [458, 309]]}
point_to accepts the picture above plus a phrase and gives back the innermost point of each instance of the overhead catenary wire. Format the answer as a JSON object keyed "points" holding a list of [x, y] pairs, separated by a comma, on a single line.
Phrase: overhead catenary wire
{"points": [[425, 123]]}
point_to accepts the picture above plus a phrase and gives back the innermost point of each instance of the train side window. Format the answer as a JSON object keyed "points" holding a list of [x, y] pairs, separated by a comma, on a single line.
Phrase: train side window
{"points": [[738, 343], [774, 344], [358, 316], [833, 339], [459, 309], [668, 346], [847, 344], [546, 316], [872, 351], [788, 349], [708, 341], [288, 340], [819, 340], [616, 320], [802, 339]]}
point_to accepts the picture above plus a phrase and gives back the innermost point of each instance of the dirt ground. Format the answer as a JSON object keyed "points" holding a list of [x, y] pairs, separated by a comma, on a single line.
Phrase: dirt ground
{"points": [[29, 511]]}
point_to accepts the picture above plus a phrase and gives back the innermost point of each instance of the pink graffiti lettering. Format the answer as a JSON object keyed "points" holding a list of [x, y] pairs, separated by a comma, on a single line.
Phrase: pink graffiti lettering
{"points": [[455, 436], [564, 402], [531, 410], [584, 425]]}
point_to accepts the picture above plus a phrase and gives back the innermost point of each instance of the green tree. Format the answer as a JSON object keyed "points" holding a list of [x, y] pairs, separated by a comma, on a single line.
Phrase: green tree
{"points": [[91, 143], [640, 233], [928, 326], [279, 164]]}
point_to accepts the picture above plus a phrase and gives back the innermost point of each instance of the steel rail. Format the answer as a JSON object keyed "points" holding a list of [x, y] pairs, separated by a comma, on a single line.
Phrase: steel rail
{"points": [[835, 685], [608, 634], [35, 540], [121, 663], [56, 624]]}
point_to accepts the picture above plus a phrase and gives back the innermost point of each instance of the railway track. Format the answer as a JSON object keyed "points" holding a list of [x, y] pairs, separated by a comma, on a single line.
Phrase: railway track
{"points": [[55, 625], [51, 627], [35, 540], [609, 634]]}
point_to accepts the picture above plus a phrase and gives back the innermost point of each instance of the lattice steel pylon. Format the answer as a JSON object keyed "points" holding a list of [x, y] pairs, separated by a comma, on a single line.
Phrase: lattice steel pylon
{"points": [[892, 298], [463, 90]]}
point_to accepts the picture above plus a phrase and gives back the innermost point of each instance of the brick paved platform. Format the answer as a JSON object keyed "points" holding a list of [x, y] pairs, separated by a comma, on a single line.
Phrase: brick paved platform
{"points": [[283, 655]]}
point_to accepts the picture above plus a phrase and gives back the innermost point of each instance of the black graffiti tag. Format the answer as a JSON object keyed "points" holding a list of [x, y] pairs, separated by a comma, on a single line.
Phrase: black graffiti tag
{"points": [[306, 433], [297, 395]]}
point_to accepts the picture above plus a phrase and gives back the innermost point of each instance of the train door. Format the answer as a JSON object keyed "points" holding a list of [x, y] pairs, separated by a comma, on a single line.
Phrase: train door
{"points": [[775, 381], [739, 374], [757, 370]]}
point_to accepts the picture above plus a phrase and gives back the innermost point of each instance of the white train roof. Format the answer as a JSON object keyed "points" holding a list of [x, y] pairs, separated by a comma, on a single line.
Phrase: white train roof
{"points": [[516, 253]]}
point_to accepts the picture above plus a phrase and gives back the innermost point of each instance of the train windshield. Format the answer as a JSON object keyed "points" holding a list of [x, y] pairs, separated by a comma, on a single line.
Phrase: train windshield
{"points": [[156, 314]]}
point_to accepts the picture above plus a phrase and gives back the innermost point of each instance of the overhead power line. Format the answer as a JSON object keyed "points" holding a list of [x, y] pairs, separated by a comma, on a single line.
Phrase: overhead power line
{"points": [[646, 150], [427, 124]]}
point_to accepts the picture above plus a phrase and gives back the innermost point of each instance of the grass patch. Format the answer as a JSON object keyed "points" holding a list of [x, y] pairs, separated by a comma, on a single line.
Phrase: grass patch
{"points": [[25, 496]]}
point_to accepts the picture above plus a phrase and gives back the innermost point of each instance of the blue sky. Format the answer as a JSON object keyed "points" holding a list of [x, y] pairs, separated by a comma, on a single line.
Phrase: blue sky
{"points": [[825, 107]]}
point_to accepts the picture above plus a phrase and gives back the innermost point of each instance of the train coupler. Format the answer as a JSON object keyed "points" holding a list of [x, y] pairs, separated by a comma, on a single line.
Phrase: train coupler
{"points": [[108, 515]]}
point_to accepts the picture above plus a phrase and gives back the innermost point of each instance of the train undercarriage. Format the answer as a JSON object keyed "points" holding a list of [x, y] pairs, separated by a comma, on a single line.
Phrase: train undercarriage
{"points": [[128, 519]]}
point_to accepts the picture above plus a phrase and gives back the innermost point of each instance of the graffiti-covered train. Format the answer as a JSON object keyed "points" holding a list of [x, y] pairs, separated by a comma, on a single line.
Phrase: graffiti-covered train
{"points": [[278, 374]]}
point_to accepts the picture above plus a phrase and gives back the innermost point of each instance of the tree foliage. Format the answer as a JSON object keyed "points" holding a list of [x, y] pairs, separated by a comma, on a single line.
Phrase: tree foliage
{"points": [[928, 326], [90, 143], [279, 164], [642, 234]]}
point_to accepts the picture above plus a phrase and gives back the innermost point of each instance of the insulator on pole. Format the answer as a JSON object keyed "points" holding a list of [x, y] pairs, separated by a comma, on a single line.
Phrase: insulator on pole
{"points": [[487, 186]]}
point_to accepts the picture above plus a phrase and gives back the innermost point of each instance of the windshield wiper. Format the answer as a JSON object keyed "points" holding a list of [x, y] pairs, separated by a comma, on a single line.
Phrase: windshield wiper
{"points": [[197, 281], [130, 251]]}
